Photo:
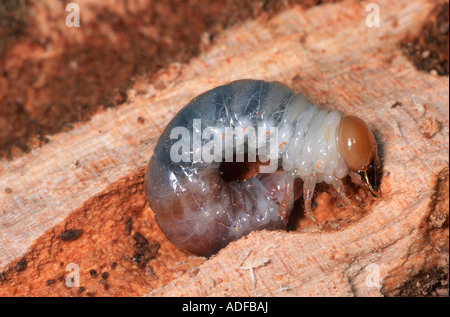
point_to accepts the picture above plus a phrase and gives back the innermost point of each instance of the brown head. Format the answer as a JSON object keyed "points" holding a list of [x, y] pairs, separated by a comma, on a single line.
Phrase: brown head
{"points": [[358, 148]]}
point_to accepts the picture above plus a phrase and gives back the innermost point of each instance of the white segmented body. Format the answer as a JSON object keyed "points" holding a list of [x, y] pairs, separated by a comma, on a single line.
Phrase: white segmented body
{"points": [[199, 211], [312, 147]]}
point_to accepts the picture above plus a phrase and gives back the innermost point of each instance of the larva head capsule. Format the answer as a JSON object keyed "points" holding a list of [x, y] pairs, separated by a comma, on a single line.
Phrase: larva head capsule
{"points": [[358, 148]]}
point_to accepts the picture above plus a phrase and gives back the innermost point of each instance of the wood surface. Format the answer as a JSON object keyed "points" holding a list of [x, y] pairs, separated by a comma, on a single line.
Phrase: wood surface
{"points": [[91, 178]]}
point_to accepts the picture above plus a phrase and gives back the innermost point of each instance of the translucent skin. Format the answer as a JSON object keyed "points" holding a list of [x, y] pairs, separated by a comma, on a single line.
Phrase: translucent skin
{"points": [[201, 212]]}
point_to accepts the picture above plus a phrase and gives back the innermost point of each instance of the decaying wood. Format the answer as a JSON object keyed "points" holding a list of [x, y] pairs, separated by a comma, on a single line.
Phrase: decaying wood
{"points": [[91, 178]]}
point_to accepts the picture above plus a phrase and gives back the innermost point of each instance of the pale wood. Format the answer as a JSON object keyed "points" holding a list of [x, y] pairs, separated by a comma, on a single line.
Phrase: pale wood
{"points": [[328, 53]]}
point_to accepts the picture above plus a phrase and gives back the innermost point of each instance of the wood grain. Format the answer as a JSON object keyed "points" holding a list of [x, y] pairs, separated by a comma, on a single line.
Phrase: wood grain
{"points": [[328, 53]]}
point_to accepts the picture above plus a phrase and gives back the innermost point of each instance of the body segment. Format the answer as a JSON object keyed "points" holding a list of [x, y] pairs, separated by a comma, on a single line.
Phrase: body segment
{"points": [[200, 210]]}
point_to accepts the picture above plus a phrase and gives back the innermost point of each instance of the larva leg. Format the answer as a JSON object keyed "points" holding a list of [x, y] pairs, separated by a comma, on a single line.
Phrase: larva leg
{"points": [[289, 191], [308, 192], [339, 188], [356, 178]]}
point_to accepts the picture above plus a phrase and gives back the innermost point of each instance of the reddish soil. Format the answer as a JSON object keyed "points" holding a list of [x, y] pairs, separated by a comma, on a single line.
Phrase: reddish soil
{"points": [[52, 76], [429, 50], [49, 81]]}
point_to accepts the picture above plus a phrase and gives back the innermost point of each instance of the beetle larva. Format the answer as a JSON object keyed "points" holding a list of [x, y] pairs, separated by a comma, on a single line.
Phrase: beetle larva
{"points": [[201, 211]]}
